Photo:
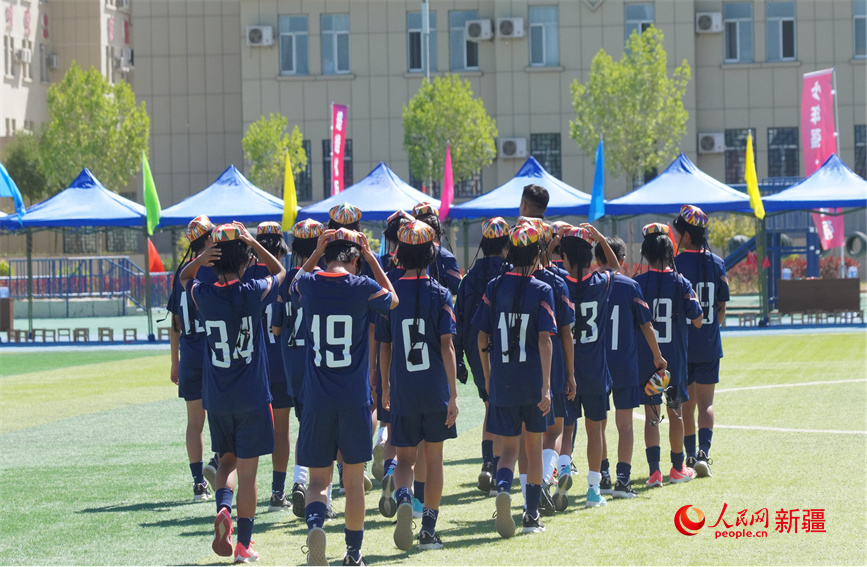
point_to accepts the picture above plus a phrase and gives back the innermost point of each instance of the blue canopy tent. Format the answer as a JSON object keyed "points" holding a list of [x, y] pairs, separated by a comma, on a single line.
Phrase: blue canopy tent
{"points": [[833, 185], [378, 195], [505, 199], [681, 183], [230, 198]]}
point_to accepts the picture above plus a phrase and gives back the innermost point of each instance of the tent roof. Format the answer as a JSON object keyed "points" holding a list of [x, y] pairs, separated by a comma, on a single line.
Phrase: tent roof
{"points": [[506, 199], [833, 185], [230, 198], [86, 202], [378, 195], [681, 183]]}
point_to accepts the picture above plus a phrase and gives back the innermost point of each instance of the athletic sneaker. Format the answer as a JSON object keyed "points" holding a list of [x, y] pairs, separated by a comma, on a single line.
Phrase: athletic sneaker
{"points": [[685, 474], [690, 462], [417, 508], [564, 483], [623, 490], [222, 544], [387, 503], [209, 471], [330, 514], [493, 491], [349, 560], [702, 465], [278, 502], [505, 522], [378, 467], [594, 498], [605, 484], [299, 499], [368, 484], [546, 504], [245, 554], [316, 547], [201, 491], [486, 477], [403, 536], [532, 525], [654, 480], [428, 541]]}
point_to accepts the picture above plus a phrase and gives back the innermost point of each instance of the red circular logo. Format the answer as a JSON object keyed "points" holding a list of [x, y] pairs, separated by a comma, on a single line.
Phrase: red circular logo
{"points": [[686, 526]]}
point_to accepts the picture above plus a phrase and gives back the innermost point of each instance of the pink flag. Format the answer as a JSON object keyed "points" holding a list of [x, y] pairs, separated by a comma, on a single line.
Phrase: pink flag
{"points": [[448, 186], [338, 145]]}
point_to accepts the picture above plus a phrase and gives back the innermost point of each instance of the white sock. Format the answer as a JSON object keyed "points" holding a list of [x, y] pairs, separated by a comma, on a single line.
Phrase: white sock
{"points": [[328, 496], [381, 435], [593, 479], [549, 464], [300, 474], [565, 464], [523, 479]]}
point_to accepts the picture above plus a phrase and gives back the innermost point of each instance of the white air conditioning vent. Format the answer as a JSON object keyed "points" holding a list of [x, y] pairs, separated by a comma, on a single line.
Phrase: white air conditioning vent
{"points": [[479, 30], [708, 22], [510, 28], [53, 61], [513, 148], [24, 55], [711, 143], [260, 36]]}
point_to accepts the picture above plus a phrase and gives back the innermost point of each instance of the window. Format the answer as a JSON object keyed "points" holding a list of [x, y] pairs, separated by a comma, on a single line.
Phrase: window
{"points": [[780, 22], [27, 66], [639, 17], [109, 63], [738, 32], [293, 45], [326, 164], [8, 56], [464, 53], [122, 240], [736, 153], [415, 42], [544, 40], [335, 44], [77, 242], [10, 127], [859, 37], [783, 151], [43, 64], [861, 150], [304, 179], [546, 149]]}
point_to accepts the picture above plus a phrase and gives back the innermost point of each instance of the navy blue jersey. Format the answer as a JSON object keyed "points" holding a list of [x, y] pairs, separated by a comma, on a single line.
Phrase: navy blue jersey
{"points": [[191, 348], [234, 377], [467, 301], [293, 338], [707, 273], [628, 312], [276, 373], [590, 298], [564, 316], [672, 306], [337, 310], [516, 377], [447, 269], [557, 268], [417, 378]]}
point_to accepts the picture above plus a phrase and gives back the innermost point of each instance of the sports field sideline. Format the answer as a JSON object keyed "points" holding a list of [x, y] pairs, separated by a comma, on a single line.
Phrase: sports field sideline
{"points": [[94, 471]]}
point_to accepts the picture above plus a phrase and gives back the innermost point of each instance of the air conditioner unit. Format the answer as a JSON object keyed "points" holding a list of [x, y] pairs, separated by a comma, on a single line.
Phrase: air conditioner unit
{"points": [[24, 55], [708, 22], [260, 36], [513, 148], [128, 56], [479, 30], [711, 143], [53, 61], [510, 27]]}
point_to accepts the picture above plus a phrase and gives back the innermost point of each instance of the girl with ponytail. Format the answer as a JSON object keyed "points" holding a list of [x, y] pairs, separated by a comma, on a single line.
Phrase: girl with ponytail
{"points": [[447, 272]]}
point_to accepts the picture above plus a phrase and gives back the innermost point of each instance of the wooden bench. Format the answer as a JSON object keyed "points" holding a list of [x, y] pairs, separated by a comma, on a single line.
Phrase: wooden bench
{"points": [[105, 334], [130, 335], [64, 334], [44, 334], [17, 335], [163, 333], [748, 319], [80, 334]]}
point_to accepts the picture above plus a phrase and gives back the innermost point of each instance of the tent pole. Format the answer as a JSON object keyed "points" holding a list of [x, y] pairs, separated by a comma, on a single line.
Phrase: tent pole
{"points": [[147, 275], [763, 274], [466, 245], [30, 284]]}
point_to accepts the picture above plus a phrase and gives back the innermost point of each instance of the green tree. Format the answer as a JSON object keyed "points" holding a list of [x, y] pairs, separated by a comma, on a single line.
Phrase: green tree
{"points": [[93, 124], [265, 145], [22, 161], [721, 230], [445, 111], [633, 105]]}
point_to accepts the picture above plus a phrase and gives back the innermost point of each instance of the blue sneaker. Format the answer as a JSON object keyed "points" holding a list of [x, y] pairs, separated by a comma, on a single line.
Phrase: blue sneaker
{"points": [[594, 498], [417, 508]]}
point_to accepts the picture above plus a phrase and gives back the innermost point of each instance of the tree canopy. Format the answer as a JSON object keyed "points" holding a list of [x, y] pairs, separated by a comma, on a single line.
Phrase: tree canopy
{"points": [[22, 161], [265, 145]]}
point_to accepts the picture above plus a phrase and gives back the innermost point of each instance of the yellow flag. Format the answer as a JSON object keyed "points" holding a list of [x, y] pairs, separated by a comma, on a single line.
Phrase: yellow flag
{"points": [[752, 181], [290, 199]]}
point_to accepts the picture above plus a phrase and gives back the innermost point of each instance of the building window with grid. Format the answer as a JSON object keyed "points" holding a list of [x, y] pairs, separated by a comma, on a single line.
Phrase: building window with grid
{"points": [[43, 64], [546, 149], [293, 45], [639, 17], [8, 56], [464, 54], [415, 42], [304, 178], [783, 149], [780, 27], [79, 242], [326, 164], [859, 36], [335, 44], [861, 150], [544, 36], [738, 32], [27, 63], [736, 153], [122, 240], [470, 187]]}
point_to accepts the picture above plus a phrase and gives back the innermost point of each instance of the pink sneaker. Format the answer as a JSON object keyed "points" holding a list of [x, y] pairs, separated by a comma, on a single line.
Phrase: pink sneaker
{"points": [[245, 554], [685, 474], [654, 480], [223, 533]]}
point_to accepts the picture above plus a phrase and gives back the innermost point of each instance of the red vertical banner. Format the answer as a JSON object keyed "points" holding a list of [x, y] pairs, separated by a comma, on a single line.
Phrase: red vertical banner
{"points": [[338, 146], [819, 138]]}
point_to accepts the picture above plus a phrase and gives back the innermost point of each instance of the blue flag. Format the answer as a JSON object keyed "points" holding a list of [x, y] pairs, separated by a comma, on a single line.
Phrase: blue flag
{"points": [[597, 200], [9, 189]]}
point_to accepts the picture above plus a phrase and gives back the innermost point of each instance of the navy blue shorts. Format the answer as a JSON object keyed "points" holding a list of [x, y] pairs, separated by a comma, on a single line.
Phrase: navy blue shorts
{"points": [[507, 421], [626, 398], [296, 403], [678, 390], [323, 432], [564, 408], [703, 372], [189, 382], [478, 374], [280, 397], [245, 435], [410, 430], [382, 415], [595, 408]]}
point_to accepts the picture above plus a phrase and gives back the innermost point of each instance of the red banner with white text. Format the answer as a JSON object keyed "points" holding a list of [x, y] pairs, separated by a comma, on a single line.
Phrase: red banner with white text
{"points": [[338, 146]]}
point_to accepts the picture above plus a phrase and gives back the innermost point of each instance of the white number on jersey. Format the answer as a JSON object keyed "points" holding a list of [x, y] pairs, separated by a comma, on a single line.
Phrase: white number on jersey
{"points": [[222, 355], [188, 323], [615, 326], [707, 289], [269, 316], [408, 346], [522, 319], [295, 334], [662, 311], [332, 339], [589, 312]]}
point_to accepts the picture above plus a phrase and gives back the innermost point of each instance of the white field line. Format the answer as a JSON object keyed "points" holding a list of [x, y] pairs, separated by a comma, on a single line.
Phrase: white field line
{"points": [[816, 383]]}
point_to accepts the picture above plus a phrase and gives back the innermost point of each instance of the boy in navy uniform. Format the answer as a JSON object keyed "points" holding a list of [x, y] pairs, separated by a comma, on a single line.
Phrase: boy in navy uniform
{"points": [[235, 388], [338, 307]]}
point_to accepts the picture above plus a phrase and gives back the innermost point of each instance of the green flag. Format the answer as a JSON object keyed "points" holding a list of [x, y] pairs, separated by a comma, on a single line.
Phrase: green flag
{"points": [[151, 199]]}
